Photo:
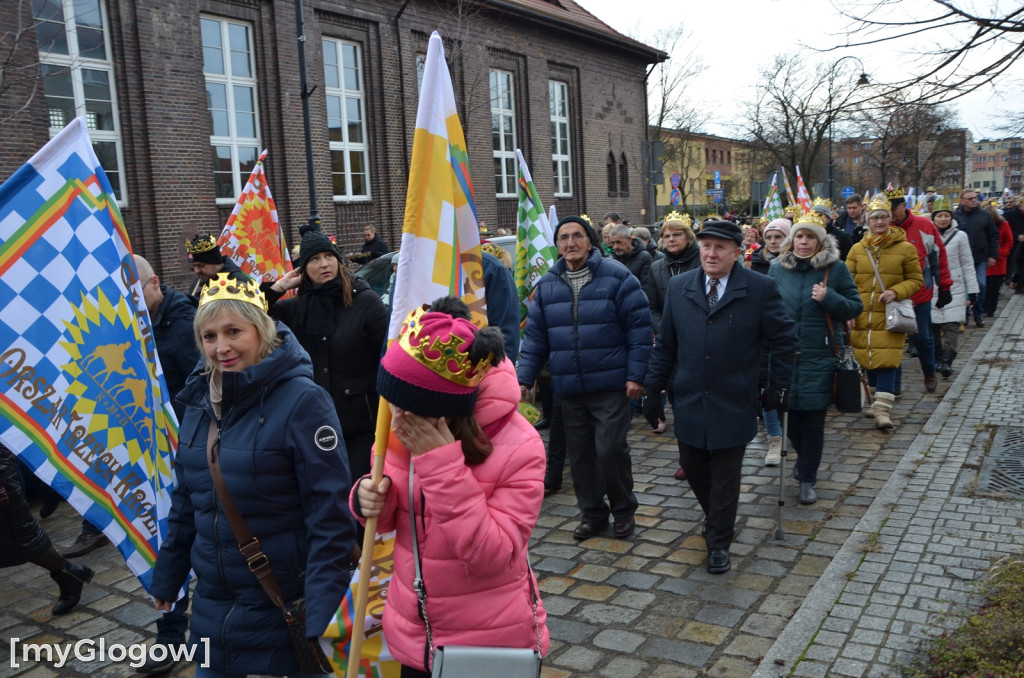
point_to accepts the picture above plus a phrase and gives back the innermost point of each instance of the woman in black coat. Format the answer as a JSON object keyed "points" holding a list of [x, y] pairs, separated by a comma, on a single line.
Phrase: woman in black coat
{"points": [[342, 324], [22, 540]]}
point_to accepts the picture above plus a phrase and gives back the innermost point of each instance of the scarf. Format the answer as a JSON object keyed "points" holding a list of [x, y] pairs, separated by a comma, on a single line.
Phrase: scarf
{"points": [[316, 307], [876, 242]]}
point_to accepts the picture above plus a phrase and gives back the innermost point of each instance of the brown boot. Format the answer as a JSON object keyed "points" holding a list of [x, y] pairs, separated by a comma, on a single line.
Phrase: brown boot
{"points": [[883, 406], [931, 382]]}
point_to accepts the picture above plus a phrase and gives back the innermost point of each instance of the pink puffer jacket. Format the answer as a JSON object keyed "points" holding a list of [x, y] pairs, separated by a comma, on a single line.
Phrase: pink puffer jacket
{"points": [[474, 525]]}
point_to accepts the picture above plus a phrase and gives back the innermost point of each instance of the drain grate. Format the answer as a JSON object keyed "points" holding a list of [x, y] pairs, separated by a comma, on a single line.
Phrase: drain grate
{"points": [[1002, 471]]}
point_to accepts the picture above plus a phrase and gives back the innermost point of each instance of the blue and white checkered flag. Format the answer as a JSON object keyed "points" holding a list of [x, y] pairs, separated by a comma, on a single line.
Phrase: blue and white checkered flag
{"points": [[82, 396]]}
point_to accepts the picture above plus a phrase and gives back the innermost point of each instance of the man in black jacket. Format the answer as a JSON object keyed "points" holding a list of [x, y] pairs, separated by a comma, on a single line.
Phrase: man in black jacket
{"points": [[1014, 214], [984, 238], [630, 252], [713, 325]]}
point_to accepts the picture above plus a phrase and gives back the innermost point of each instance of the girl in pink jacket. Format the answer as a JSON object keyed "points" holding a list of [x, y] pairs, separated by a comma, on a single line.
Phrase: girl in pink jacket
{"points": [[478, 484]]}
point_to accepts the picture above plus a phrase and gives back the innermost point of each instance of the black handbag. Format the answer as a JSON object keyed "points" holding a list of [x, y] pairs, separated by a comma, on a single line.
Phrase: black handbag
{"points": [[459, 661], [848, 378], [310, 656]]}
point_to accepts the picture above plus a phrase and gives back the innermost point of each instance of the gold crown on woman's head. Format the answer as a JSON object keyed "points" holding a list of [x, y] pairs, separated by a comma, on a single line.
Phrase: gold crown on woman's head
{"points": [[228, 286], [491, 249], [880, 203], [813, 217], [678, 218], [440, 355]]}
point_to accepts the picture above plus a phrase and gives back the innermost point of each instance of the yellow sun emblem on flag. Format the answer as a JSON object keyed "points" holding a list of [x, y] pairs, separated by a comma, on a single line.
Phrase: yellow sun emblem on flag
{"points": [[113, 381]]}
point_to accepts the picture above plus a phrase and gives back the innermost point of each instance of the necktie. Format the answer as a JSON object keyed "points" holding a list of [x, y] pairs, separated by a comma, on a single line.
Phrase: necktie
{"points": [[713, 294]]}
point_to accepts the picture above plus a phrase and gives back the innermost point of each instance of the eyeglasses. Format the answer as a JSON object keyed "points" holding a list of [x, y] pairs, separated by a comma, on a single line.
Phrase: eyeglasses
{"points": [[146, 283], [566, 237]]}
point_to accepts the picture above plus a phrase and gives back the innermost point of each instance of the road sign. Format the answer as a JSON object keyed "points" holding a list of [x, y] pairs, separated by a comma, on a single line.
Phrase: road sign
{"points": [[674, 195], [848, 192], [674, 180], [718, 179]]}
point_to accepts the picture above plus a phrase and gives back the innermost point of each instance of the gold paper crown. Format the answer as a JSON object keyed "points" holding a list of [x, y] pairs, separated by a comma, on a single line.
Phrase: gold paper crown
{"points": [[200, 243], [822, 201], [585, 218], [491, 249], [439, 355], [684, 219], [223, 286], [895, 194], [813, 217], [879, 202]]}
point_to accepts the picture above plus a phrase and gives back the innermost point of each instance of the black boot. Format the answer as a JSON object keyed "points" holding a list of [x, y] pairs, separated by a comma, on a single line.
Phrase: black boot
{"points": [[947, 362], [70, 579]]}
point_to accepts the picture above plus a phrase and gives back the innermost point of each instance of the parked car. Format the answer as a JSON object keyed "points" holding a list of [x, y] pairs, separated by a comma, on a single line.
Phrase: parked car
{"points": [[377, 273]]}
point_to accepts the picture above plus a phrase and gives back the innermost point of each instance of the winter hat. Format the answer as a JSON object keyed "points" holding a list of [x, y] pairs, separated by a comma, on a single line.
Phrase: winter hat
{"points": [[314, 241], [429, 371], [202, 249], [812, 221], [778, 225], [583, 221], [941, 204]]}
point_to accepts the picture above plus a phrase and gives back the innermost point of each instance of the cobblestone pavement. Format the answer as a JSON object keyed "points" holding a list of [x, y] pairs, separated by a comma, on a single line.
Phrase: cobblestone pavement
{"points": [[901, 527]]}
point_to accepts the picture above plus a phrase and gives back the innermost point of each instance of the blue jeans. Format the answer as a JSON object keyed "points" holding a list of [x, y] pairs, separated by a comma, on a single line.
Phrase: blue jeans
{"points": [[883, 379], [981, 269], [214, 673], [923, 341], [772, 425]]}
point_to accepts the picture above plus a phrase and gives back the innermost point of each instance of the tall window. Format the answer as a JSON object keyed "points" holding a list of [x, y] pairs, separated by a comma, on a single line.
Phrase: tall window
{"points": [[623, 174], [561, 162], [503, 133], [78, 76], [613, 171], [346, 121], [231, 100]]}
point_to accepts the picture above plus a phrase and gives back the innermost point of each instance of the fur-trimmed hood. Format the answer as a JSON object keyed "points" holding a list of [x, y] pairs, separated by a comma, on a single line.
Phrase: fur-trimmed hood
{"points": [[825, 257]]}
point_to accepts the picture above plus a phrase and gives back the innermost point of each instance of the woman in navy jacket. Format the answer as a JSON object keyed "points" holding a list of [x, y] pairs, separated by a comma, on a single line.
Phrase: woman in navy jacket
{"points": [[284, 465]]}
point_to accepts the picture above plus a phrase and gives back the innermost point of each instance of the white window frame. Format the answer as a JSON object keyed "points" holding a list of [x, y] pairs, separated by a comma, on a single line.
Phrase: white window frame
{"points": [[349, 148], [561, 163], [235, 142], [73, 63], [503, 154]]}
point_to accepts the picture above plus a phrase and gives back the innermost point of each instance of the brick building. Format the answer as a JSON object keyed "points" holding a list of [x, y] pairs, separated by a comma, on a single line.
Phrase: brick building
{"points": [[181, 95]]}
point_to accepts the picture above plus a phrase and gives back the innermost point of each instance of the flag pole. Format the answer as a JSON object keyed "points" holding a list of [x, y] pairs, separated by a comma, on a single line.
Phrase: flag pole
{"points": [[300, 31], [366, 559]]}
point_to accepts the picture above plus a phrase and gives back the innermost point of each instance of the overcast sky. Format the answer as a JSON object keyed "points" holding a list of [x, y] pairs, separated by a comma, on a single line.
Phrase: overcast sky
{"points": [[737, 37]]}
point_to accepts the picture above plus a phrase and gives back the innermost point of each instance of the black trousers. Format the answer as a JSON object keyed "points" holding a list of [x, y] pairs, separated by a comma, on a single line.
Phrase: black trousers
{"points": [[806, 432], [409, 672], [714, 476]]}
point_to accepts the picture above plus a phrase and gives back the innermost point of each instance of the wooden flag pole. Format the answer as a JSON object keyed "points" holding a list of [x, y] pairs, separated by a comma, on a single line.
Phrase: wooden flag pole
{"points": [[380, 449]]}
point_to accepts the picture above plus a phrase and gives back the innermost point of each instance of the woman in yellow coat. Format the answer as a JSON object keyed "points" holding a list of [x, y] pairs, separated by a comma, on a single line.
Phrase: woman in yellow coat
{"points": [[876, 349]]}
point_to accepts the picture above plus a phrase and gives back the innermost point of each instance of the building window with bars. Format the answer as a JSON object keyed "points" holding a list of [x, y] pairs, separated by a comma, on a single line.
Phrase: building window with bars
{"points": [[561, 160], [78, 77], [231, 100], [503, 133], [346, 120]]}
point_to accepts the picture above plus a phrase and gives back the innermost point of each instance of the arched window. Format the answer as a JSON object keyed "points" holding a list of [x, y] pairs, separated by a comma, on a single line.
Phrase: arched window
{"points": [[612, 174], [623, 175]]}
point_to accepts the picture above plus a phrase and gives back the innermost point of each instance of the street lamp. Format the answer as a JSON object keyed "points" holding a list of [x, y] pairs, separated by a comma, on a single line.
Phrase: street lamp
{"points": [[861, 82]]}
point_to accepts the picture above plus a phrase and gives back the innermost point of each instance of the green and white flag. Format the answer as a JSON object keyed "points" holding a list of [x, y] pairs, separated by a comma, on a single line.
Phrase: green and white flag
{"points": [[535, 249], [773, 203]]}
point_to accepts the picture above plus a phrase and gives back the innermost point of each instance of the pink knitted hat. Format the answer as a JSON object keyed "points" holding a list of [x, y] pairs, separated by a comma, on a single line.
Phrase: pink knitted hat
{"points": [[428, 371]]}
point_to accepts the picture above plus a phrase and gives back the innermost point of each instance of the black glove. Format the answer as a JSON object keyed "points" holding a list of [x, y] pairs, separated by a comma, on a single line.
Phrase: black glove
{"points": [[652, 407], [775, 399], [945, 297], [973, 298]]}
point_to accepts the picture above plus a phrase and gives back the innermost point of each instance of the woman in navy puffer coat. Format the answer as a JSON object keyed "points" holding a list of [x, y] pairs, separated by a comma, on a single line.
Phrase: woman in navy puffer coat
{"points": [[799, 271], [284, 464]]}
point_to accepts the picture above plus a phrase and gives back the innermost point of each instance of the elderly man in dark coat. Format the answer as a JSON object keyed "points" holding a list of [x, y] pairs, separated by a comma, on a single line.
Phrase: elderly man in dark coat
{"points": [[714, 323]]}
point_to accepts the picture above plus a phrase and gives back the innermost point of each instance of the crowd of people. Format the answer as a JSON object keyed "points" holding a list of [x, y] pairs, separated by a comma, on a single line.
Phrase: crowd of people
{"points": [[277, 384]]}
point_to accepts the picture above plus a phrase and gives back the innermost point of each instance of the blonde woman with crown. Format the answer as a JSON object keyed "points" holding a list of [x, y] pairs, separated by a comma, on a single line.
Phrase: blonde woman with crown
{"points": [[876, 349], [254, 412]]}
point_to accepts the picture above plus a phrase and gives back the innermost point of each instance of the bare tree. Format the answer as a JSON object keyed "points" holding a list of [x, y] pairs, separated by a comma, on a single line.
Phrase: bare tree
{"points": [[972, 47], [19, 63], [673, 119], [796, 111]]}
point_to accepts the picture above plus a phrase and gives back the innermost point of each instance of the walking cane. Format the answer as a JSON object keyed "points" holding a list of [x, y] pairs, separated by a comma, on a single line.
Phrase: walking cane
{"points": [[779, 534]]}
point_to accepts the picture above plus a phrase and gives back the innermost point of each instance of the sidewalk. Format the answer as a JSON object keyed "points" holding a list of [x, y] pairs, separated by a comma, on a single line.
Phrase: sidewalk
{"points": [[935, 527], [903, 524]]}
